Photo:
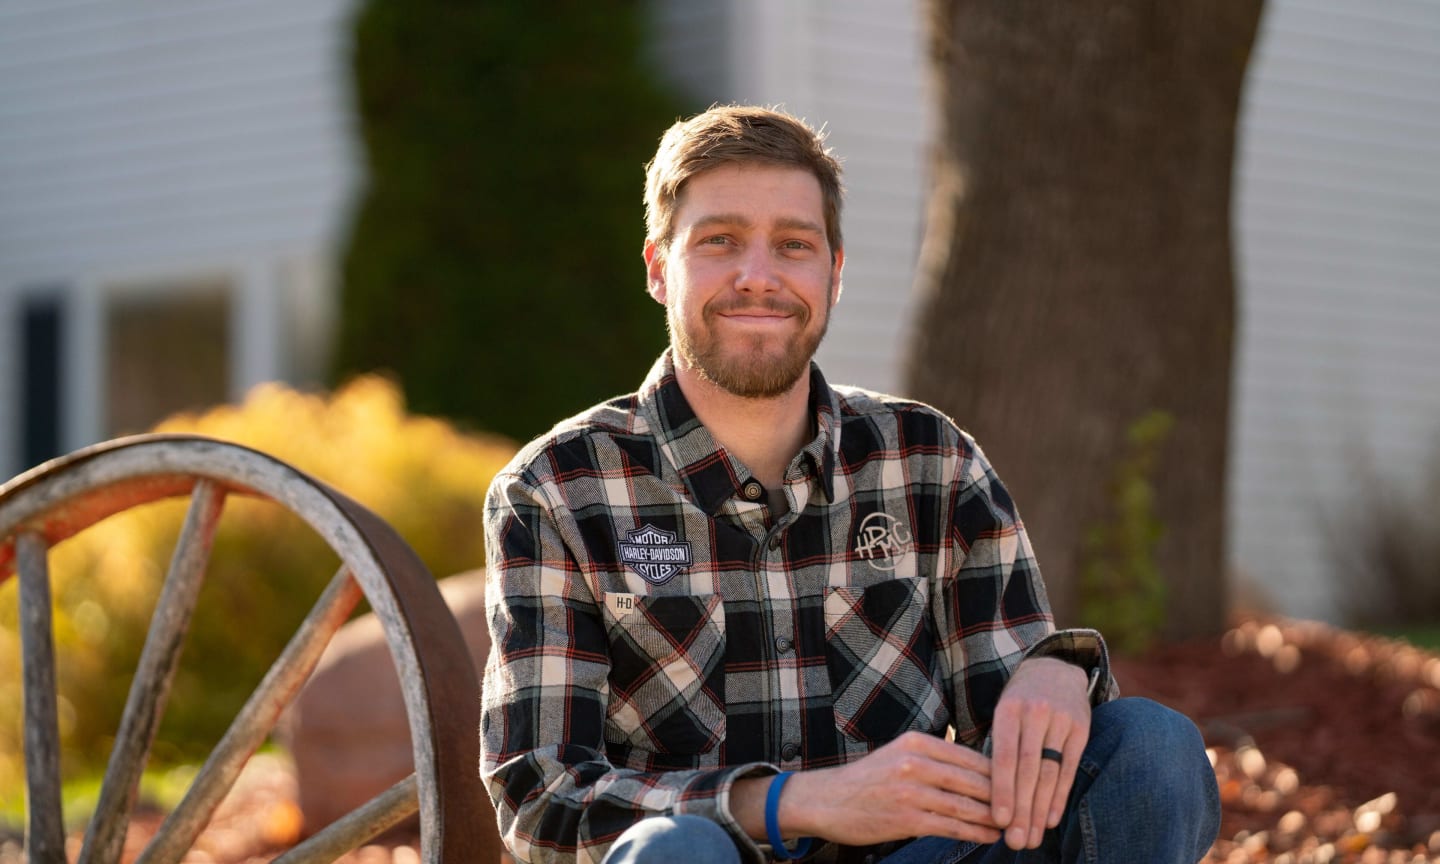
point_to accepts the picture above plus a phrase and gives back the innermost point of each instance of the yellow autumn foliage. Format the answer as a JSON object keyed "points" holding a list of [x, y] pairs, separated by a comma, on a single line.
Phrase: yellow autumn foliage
{"points": [[423, 476]]}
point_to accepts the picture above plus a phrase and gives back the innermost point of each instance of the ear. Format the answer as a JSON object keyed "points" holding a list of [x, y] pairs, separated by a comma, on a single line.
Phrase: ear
{"points": [[835, 269], [654, 272]]}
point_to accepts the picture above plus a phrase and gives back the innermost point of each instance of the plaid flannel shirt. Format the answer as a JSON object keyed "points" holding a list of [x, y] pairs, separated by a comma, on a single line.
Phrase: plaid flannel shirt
{"points": [[658, 634]]}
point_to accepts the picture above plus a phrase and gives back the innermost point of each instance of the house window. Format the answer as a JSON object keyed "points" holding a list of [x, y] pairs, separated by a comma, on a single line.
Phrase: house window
{"points": [[167, 350], [42, 336]]}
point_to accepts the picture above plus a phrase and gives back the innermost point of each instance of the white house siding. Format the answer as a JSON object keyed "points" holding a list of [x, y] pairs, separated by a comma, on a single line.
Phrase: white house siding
{"points": [[1338, 235], [690, 42], [160, 142], [858, 67], [871, 89]]}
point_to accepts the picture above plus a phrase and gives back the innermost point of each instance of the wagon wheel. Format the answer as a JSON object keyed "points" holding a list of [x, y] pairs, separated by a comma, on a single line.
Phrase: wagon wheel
{"points": [[43, 507]]}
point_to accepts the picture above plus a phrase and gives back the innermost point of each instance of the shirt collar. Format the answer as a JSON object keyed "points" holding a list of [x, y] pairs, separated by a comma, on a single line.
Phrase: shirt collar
{"points": [[710, 474]]}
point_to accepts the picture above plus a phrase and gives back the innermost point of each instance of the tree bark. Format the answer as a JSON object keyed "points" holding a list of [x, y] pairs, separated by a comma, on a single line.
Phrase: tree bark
{"points": [[1076, 274]]}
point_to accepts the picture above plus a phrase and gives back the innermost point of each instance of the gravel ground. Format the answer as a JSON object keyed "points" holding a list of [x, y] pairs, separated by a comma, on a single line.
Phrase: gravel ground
{"points": [[1326, 746]]}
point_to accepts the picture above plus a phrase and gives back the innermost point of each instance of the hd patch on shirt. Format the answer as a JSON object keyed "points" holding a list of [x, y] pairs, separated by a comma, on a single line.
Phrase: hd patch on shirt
{"points": [[654, 554]]}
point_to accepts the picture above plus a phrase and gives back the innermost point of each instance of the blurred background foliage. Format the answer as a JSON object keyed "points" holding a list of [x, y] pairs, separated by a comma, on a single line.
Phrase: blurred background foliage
{"points": [[1387, 543], [267, 568], [1122, 591], [504, 155]]}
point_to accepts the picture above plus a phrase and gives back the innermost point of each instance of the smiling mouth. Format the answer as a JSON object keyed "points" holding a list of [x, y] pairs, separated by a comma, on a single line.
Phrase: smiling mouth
{"points": [[760, 312], [754, 316]]}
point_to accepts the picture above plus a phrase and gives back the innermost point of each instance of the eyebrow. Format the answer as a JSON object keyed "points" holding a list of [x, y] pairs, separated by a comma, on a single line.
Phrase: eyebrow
{"points": [[787, 223]]}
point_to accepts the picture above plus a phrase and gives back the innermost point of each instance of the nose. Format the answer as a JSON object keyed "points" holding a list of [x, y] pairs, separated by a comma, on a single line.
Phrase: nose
{"points": [[756, 272]]}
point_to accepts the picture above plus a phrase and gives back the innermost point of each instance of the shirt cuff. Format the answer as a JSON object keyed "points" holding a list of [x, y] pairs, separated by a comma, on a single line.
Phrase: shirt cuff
{"points": [[718, 809], [1086, 649]]}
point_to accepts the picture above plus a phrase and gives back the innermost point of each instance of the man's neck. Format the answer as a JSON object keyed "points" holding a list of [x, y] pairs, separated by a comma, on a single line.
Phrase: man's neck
{"points": [[764, 434]]}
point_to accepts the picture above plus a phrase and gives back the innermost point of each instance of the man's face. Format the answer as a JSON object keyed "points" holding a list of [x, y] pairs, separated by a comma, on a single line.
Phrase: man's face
{"points": [[748, 278]]}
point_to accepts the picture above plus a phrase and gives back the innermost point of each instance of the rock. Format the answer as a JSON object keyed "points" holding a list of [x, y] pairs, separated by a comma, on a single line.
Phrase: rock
{"points": [[347, 730]]}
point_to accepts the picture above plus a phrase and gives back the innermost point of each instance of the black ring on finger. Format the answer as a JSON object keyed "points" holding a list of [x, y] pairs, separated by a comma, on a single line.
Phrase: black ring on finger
{"points": [[1052, 754]]}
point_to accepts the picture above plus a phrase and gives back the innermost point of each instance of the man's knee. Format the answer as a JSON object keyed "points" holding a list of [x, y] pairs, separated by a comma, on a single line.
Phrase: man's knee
{"points": [[1151, 785], [1145, 723], [1141, 737], [674, 838]]}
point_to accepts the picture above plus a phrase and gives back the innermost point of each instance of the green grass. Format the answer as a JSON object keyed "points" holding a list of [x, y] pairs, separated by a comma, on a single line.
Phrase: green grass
{"points": [[1421, 636], [161, 787]]}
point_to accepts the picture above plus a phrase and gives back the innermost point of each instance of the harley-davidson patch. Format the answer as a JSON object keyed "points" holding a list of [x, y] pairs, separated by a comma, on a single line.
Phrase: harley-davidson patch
{"points": [[654, 554]]}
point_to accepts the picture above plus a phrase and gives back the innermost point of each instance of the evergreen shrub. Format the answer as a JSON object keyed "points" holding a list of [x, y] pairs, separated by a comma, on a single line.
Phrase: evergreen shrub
{"points": [[493, 263]]}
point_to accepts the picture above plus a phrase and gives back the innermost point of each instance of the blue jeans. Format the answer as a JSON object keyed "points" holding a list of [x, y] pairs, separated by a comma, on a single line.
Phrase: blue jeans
{"points": [[1145, 791], [663, 839]]}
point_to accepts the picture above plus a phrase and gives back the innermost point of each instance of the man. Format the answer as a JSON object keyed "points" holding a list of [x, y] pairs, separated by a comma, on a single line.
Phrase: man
{"points": [[734, 614]]}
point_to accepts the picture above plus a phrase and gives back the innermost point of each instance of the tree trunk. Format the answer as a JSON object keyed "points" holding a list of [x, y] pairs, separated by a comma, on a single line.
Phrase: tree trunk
{"points": [[1076, 269]]}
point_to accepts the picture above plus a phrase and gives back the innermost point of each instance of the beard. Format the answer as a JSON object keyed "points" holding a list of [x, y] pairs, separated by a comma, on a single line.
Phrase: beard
{"points": [[752, 366]]}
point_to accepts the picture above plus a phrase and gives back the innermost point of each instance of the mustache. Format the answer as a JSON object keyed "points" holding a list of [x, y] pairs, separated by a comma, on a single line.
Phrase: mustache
{"points": [[748, 307]]}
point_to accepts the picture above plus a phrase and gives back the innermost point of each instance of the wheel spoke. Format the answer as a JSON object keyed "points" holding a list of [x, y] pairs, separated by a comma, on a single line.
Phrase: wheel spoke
{"points": [[254, 722], [148, 691], [345, 834], [45, 827]]}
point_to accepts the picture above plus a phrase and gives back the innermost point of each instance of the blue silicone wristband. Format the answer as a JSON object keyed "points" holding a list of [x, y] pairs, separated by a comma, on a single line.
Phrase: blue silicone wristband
{"points": [[772, 822]]}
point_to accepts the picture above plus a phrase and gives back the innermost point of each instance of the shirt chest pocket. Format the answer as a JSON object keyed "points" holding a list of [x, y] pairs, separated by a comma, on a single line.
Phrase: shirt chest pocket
{"points": [[881, 657], [667, 674]]}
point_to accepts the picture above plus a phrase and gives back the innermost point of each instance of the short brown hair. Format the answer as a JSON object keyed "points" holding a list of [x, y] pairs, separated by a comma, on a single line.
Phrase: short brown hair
{"points": [[737, 135]]}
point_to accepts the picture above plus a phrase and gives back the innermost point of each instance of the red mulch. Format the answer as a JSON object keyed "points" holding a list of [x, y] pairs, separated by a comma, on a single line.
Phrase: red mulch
{"points": [[1326, 744]]}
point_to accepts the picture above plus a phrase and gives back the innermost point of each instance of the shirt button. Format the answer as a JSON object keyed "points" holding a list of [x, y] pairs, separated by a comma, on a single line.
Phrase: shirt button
{"points": [[774, 542], [752, 491], [783, 645], [789, 751]]}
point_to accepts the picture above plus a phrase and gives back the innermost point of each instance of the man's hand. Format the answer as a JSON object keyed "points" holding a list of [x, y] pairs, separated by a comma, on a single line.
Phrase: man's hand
{"points": [[914, 786], [1044, 705]]}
